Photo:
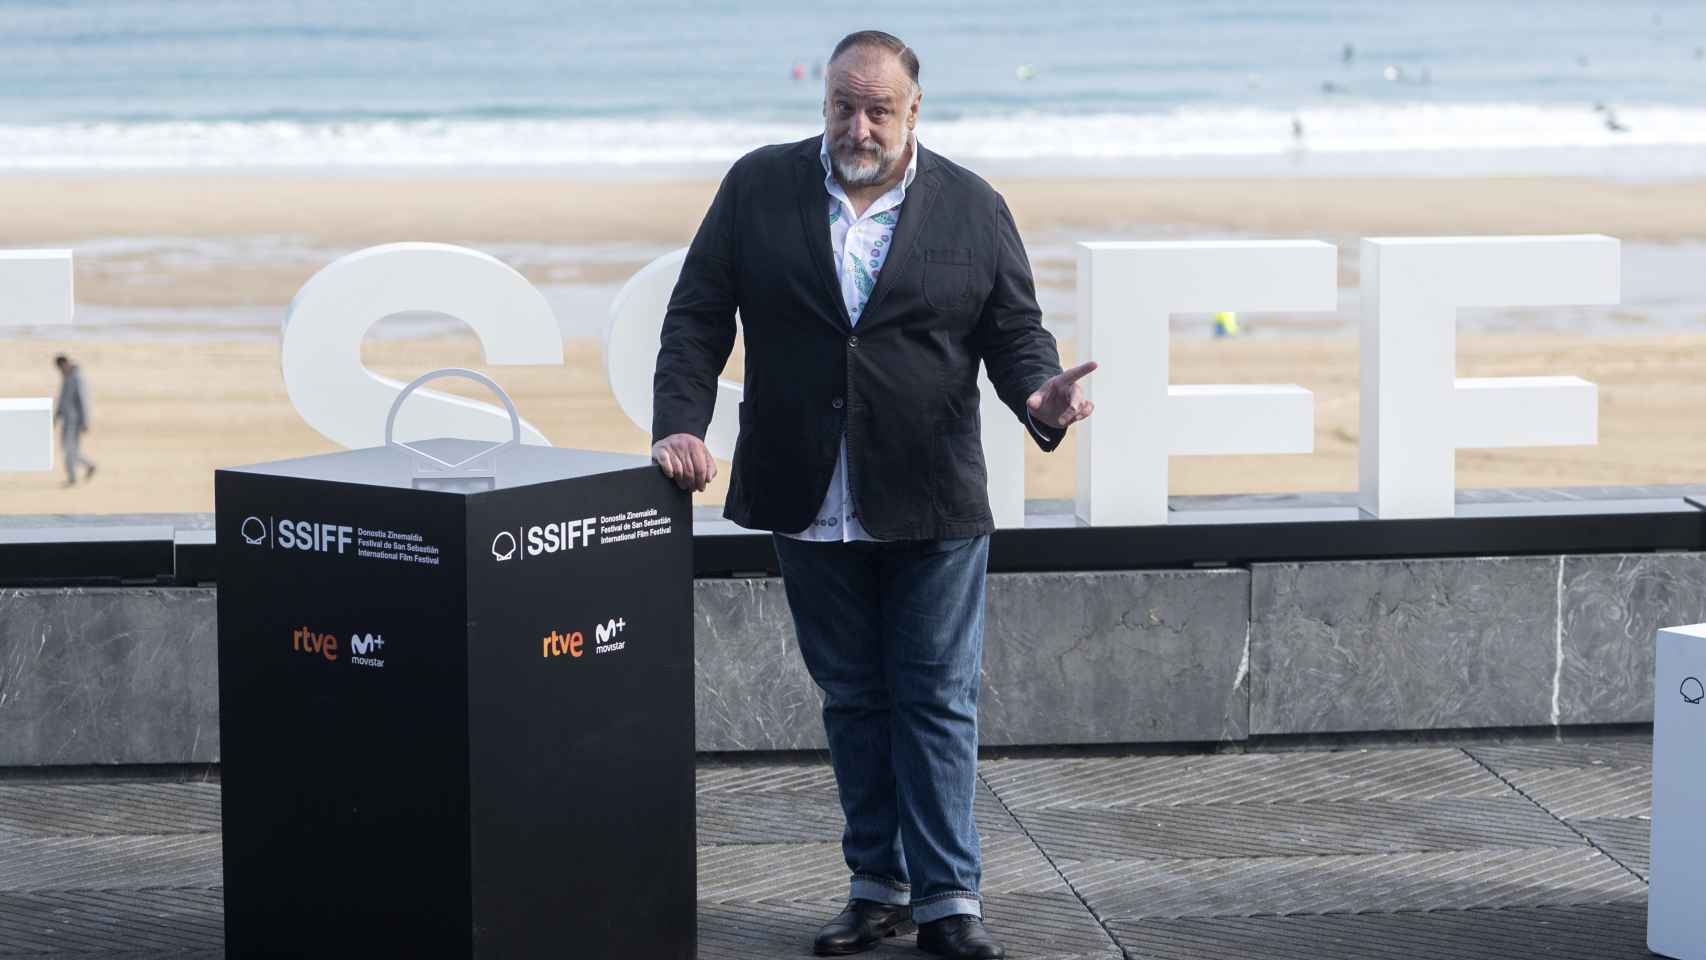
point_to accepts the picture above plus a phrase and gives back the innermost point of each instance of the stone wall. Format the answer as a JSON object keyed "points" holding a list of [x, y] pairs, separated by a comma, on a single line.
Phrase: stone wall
{"points": [[1462, 643], [108, 675], [128, 675], [1068, 658]]}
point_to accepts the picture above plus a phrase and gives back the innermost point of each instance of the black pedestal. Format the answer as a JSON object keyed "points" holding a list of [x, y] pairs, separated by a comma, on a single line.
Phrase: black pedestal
{"points": [[456, 724]]}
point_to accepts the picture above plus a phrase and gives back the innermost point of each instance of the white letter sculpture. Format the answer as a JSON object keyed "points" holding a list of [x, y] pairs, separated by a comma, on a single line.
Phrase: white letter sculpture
{"points": [[1126, 293], [634, 329], [1415, 411], [324, 327], [35, 288], [632, 332], [1003, 454]]}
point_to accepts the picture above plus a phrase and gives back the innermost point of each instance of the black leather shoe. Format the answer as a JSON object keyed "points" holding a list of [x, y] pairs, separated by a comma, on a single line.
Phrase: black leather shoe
{"points": [[859, 927], [960, 937]]}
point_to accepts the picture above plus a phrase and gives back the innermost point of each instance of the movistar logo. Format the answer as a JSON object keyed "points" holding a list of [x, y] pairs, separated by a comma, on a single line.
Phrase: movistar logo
{"points": [[605, 635], [365, 648]]}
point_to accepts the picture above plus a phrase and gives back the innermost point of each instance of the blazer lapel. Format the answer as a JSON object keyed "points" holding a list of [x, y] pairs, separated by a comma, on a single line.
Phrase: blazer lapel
{"points": [[814, 220], [914, 210]]}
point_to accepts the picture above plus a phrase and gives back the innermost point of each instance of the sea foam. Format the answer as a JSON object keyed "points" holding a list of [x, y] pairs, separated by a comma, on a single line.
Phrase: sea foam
{"points": [[1218, 132]]}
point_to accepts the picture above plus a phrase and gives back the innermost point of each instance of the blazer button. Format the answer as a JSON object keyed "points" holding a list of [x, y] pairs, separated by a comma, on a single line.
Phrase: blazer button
{"points": [[837, 403], [852, 341]]}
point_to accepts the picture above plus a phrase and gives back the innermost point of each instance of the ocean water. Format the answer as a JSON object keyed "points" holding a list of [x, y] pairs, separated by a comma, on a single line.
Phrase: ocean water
{"points": [[1312, 86]]}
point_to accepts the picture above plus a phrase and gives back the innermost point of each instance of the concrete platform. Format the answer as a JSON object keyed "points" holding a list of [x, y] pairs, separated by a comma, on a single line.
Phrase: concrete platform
{"points": [[1516, 849]]}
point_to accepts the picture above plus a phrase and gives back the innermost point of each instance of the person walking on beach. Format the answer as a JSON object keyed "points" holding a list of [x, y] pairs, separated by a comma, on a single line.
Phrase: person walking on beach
{"points": [[872, 276], [71, 412]]}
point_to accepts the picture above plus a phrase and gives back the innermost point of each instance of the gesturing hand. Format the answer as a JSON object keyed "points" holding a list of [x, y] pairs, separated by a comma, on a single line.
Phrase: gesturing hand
{"points": [[685, 459], [1061, 401]]}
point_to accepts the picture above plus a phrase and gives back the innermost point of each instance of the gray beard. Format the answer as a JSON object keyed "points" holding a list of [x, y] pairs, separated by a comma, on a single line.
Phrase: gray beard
{"points": [[865, 172]]}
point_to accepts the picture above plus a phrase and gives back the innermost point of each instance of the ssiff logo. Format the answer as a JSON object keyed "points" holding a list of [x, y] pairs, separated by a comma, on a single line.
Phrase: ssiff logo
{"points": [[297, 535], [543, 538], [1693, 691]]}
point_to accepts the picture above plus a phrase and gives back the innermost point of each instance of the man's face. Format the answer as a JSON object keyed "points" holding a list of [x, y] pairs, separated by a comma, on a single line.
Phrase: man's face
{"points": [[868, 108]]}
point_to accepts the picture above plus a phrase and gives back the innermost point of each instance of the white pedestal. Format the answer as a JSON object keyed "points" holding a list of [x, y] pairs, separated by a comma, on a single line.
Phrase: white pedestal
{"points": [[1674, 926]]}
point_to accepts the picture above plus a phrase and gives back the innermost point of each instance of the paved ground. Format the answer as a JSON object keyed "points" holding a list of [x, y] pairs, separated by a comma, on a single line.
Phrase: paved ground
{"points": [[1516, 850]]}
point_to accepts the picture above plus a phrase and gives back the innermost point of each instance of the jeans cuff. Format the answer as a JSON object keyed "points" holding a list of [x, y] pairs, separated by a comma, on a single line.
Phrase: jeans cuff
{"points": [[947, 905], [868, 886]]}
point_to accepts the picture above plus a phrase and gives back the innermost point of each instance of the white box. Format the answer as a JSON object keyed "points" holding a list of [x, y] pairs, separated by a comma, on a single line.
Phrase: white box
{"points": [[35, 287], [26, 434], [1678, 877]]}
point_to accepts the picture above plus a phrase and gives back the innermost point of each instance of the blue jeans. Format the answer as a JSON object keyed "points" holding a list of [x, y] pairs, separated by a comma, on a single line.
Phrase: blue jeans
{"points": [[892, 632]]}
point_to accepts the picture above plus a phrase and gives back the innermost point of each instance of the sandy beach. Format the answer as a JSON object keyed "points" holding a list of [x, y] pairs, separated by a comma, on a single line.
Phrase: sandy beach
{"points": [[171, 405], [352, 212]]}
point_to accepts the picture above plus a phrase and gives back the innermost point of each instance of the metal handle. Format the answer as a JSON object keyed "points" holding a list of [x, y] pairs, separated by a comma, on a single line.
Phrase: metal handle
{"points": [[397, 404]]}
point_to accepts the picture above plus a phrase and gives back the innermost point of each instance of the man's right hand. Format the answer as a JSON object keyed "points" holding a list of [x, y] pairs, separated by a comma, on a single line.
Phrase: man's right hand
{"points": [[685, 459]]}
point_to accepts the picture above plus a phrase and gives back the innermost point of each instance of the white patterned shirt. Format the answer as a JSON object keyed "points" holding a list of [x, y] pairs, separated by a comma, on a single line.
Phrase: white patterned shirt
{"points": [[861, 244]]}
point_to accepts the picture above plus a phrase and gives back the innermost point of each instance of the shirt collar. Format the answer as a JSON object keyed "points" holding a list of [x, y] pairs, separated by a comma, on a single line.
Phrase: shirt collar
{"points": [[906, 179]]}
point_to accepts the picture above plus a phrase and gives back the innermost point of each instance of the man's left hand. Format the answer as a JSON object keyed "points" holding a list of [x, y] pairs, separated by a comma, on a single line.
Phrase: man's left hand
{"points": [[1061, 401]]}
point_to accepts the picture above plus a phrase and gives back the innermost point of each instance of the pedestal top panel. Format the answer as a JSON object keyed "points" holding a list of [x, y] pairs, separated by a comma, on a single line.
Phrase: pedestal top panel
{"points": [[517, 466]]}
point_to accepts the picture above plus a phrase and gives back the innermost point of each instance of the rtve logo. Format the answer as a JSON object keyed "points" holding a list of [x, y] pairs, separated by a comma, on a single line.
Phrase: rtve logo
{"points": [[573, 644], [545, 538], [305, 640], [364, 648], [296, 535], [556, 644]]}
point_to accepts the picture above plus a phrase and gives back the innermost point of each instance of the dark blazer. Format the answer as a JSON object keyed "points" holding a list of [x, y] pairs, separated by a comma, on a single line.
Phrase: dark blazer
{"points": [[956, 289]]}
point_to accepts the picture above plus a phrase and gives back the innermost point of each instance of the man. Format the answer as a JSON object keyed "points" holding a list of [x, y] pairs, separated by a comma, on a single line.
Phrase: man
{"points": [[872, 276], [71, 412]]}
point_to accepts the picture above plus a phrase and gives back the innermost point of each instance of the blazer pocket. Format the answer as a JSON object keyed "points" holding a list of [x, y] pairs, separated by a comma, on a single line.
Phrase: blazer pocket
{"points": [[743, 457], [947, 278], [960, 480]]}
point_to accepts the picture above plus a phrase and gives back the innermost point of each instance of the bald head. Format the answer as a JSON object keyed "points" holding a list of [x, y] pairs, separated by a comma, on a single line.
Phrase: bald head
{"points": [[886, 42]]}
